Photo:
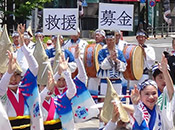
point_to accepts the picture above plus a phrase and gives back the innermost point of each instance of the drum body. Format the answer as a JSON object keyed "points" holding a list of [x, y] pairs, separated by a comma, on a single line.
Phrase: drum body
{"points": [[91, 59], [134, 57]]}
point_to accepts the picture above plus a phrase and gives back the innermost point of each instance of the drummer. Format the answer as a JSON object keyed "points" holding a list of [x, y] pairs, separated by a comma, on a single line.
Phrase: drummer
{"points": [[93, 83], [148, 53], [99, 36], [112, 63], [120, 44]]}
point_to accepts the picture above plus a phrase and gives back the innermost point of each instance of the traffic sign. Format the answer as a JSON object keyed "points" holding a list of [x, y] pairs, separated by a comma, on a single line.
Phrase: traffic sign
{"points": [[152, 3]]}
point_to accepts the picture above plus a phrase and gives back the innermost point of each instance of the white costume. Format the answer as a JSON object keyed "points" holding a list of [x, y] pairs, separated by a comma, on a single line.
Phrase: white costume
{"points": [[111, 70], [10, 108], [82, 44], [146, 120], [167, 108], [4, 121], [148, 62], [21, 59], [110, 126], [121, 44]]}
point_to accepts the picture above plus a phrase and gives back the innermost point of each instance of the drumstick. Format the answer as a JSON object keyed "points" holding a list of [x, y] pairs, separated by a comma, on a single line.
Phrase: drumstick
{"points": [[102, 96]]}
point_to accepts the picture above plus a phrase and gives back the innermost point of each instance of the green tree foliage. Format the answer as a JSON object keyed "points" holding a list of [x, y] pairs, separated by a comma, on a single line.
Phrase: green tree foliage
{"points": [[23, 8]]}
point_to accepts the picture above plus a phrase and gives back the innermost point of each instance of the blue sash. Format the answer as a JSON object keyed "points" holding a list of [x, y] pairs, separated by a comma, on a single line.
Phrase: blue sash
{"points": [[29, 89], [64, 110], [82, 103]]}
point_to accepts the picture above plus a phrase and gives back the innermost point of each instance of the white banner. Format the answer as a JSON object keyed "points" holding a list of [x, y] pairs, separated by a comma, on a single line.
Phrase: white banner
{"points": [[116, 16], [60, 21]]}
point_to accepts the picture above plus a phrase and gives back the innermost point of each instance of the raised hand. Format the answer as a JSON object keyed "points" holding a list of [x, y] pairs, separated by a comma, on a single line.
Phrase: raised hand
{"points": [[135, 95], [163, 66], [51, 82], [115, 115], [113, 56], [77, 52], [63, 64], [21, 29], [12, 63]]}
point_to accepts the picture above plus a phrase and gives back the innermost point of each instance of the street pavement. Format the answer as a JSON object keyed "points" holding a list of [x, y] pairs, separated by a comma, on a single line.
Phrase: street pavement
{"points": [[159, 45], [92, 124]]}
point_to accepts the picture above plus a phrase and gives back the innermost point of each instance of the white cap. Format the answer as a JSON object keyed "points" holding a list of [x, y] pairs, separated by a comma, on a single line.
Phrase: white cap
{"points": [[26, 35], [100, 31], [15, 34]]}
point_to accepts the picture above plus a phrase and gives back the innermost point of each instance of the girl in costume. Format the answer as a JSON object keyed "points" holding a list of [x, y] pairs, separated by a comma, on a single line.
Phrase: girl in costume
{"points": [[165, 92], [81, 103], [58, 107], [50, 117], [22, 105], [147, 114]]}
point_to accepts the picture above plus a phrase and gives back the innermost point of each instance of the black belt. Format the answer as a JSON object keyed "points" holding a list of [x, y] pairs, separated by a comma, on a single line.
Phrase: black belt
{"points": [[56, 126], [20, 122]]}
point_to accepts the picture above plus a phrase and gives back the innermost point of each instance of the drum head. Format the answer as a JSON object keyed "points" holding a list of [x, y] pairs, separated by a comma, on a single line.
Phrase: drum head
{"points": [[137, 62], [97, 49]]}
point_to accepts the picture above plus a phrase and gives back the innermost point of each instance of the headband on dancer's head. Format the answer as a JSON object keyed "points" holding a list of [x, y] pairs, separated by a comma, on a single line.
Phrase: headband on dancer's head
{"points": [[110, 34], [100, 31], [147, 82]]}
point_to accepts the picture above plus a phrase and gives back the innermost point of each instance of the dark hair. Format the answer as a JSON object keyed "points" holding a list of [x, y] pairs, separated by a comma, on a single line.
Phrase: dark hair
{"points": [[156, 72]]}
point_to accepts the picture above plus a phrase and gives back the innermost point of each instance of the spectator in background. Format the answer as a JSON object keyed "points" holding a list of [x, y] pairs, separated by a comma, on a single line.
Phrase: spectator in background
{"points": [[49, 44], [68, 55], [74, 40], [15, 37], [120, 44], [99, 36], [38, 35]]}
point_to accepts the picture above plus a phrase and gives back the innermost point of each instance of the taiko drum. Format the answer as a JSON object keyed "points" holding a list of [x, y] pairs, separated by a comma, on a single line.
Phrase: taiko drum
{"points": [[134, 57], [91, 59]]}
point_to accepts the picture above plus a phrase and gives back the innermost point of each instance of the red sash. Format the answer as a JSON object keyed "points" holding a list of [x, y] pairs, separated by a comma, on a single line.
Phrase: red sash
{"points": [[50, 108], [18, 106]]}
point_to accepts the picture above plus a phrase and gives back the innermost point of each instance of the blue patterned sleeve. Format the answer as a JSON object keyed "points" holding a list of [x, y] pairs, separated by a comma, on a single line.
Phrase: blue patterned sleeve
{"points": [[69, 54], [121, 56], [100, 56], [48, 53]]}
